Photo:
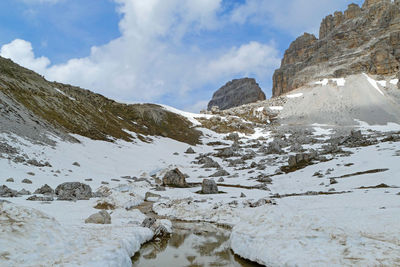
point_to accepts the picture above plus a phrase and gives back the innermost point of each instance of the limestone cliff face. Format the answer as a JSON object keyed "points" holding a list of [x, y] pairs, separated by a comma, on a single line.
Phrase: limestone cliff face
{"points": [[236, 93], [361, 39]]}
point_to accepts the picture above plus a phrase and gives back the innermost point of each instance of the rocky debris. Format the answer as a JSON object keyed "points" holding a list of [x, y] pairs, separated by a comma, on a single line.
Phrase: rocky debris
{"points": [[7, 149], [101, 217], [359, 40], [148, 222], [242, 195], [40, 198], [26, 181], [332, 181], [235, 162], [236, 93], [220, 173], [209, 187], [174, 178], [233, 137], [73, 191], [190, 151], [7, 192], [10, 180], [260, 202], [248, 156], [36, 163], [149, 196], [221, 180], [76, 164], [44, 190], [227, 152]]}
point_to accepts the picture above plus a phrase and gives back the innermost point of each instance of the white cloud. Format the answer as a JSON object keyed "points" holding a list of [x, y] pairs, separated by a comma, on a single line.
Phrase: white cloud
{"points": [[21, 52], [294, 16], [252, 58]]}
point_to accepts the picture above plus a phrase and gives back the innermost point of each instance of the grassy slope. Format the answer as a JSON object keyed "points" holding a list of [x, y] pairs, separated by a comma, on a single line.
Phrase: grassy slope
{"points": [[91, 115]]}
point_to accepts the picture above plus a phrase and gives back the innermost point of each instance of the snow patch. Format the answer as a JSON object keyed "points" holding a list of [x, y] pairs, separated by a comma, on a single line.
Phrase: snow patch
{"points": [[394, 81], [373, 83], [295, 95], [276, 108]]}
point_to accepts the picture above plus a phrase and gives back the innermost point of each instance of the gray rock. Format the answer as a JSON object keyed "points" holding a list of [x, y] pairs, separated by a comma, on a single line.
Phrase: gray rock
{"points": [[148, 222], [102, 217], [40, 198], [236, 93], [209, 187], [212, 164], [220, 180], [242, 195], [226, 153], [7, 192], [190, 151], [333, 181], [233, 137], [160, 188], [73, 191], [44, 190], [174, 178], [220, 173], [26, 181], [10, 180], [76, 164]]}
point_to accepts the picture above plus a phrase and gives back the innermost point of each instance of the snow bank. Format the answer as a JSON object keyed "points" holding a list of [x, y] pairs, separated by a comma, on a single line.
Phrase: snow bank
{"points": [[29, 237], [373, 83], [295, 95], [333, 231]]}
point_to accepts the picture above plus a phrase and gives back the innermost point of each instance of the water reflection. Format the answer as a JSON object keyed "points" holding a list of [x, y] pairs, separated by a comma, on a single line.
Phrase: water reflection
{"points": [[191, 245]]}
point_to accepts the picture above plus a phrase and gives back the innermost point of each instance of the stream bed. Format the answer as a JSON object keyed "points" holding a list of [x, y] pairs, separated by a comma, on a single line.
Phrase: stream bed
{"points": [[191, 244]]}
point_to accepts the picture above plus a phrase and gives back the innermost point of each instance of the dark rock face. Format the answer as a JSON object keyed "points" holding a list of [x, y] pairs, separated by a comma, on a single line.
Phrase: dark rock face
{"points": [[362, 39], [236, 93]]}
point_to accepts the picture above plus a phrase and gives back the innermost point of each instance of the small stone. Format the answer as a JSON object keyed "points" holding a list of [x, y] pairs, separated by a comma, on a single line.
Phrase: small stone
{"points": [[102, 217], [333, 181], [160, 188], [104, 182], [209, 187], [242, 195], [10, 180], [89, 180], [26, 181], [31, 173], [76, 164], [220, 173], [190, 151], [115, 180], [148, 222], [220, 180], [332, 189], [176, 154]]}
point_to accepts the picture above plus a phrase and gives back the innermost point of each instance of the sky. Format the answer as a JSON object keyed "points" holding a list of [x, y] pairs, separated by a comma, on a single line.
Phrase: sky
{"points": [[173, 52]]}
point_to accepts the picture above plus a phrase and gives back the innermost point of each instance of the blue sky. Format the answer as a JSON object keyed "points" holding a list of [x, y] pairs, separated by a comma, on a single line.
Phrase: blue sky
{"points": [[174, 52]]}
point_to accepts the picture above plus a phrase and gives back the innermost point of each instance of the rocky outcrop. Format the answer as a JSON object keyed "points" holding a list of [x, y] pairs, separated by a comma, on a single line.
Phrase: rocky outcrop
{"points": [[73, 191], [236, 93], [360, 39]]}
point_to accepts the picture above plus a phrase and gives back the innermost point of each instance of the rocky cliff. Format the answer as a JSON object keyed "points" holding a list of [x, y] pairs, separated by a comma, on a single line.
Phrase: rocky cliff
{"points": [[360, 39], [236, 93]]}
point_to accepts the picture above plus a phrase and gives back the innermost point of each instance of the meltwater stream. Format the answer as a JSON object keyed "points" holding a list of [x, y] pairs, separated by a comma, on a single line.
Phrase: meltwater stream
{"points": [[191, 244]]}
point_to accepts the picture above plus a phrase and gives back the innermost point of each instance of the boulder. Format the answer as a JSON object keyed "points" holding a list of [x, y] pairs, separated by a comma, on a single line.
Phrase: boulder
{"points": [[102, 217], [190, 151], [220, 173], [7, 192], [40, 198], [209, 187], [26, 181], [73, 191], [44, 190], [236, 93], [174, 178]]}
